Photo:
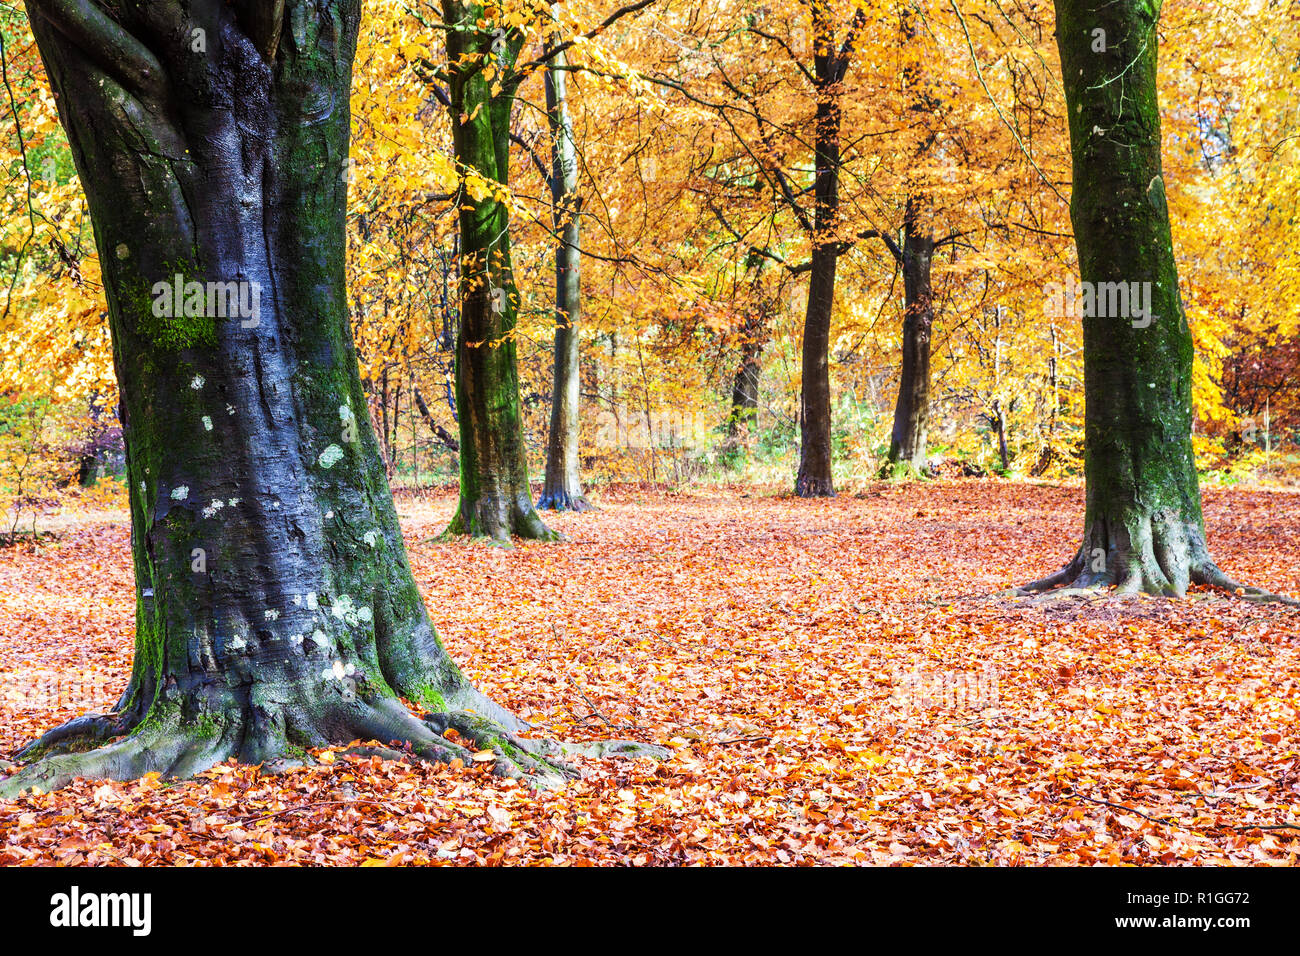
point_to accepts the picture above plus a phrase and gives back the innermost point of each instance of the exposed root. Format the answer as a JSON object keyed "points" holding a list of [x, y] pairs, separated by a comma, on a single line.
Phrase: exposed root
{"points": [[563, 501], [501, 524], [178, 749], [1164, 571], [80, 733], [1060, 579], [810, 487], [1210, 576], [529, 524], [150, 749]]}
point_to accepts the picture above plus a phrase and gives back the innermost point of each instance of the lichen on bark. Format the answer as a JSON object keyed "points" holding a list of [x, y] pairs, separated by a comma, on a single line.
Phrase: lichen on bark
{"points": [[276, 610]]}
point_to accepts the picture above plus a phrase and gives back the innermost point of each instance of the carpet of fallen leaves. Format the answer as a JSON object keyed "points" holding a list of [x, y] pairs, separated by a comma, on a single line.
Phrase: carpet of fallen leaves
{"points": [[834, 684]]}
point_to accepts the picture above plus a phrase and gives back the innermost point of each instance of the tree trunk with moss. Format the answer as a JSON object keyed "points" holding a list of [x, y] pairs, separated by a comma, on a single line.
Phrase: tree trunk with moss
{"points": [[562, 487], [275, 606], [495, 495], [1143, 529]]}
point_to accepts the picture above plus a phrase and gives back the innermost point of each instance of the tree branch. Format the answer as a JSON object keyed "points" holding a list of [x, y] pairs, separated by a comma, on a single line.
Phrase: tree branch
{"points": [[773, 38], [439, 432], [523, 71], [952, 238], [537, 161], [880, 234], [107, 43], [850, 41]]}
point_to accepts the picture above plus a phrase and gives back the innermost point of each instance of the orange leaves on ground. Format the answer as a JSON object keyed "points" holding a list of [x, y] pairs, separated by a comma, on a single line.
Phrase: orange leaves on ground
{"points": [[830, 689]]}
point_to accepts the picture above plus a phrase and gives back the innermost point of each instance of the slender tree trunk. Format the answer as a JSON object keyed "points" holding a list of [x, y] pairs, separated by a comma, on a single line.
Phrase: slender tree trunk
{"points": [[90, 463], [438, 431], [744, 391], [275, 607], [562, 488], [1000, 424], [912, 410], [394, 455], [1143, 529], [495, 494], [814, 480]]}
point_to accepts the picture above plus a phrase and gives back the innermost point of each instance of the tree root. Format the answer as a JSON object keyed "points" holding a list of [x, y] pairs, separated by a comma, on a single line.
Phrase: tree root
{"points": [[814, 487], [148, 749], [1117, 573], [519, 521], [563, 501], [177, 748], [1210, 576], [80, 733]]}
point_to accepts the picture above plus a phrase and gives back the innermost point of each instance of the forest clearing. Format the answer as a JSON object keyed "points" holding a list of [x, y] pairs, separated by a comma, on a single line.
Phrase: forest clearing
{"points": [[836, 678], [854, 434]]}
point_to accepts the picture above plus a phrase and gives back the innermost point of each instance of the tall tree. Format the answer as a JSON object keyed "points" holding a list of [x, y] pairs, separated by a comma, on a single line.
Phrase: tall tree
{"points": [[562, 488], [275, 606], [495, 495], [779, 150], [907, 442], [1143, 528], [830, 63], [744, 390]]}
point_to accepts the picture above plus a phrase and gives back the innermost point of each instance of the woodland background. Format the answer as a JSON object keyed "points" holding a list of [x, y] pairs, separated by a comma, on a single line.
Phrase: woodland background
{"points": [[837, 680], [672, 109]]}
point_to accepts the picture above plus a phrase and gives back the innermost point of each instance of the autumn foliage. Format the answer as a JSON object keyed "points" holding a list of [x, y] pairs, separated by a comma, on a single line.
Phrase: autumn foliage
{"points": [[688, 120], [843, 681], [834, 688]]}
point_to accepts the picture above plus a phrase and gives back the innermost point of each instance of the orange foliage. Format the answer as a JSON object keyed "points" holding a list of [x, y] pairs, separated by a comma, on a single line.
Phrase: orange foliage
{"points": [[830, 693]]}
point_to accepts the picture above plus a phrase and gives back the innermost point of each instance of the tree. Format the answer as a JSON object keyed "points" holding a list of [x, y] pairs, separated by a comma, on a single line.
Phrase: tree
{"points": [[778, 151], [1143, 528], [276, 609], [907, 443], [830, 63], [562, 488], [484, 73], [752, 335], [495, 495]]}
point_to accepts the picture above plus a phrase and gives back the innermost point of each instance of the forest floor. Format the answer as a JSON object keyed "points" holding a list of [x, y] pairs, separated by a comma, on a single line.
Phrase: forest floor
{"points": [[833, 680]]}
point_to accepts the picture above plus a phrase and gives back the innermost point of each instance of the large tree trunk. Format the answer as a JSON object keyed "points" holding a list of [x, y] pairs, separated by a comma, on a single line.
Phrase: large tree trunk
{"points": [[562, 488], [907, 444], [496, 498], [276, 609], [1143, 529]]}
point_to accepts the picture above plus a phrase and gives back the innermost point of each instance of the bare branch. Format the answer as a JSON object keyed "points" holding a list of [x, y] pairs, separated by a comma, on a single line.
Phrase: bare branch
{"points": [[850, 41], [523, 71]]}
